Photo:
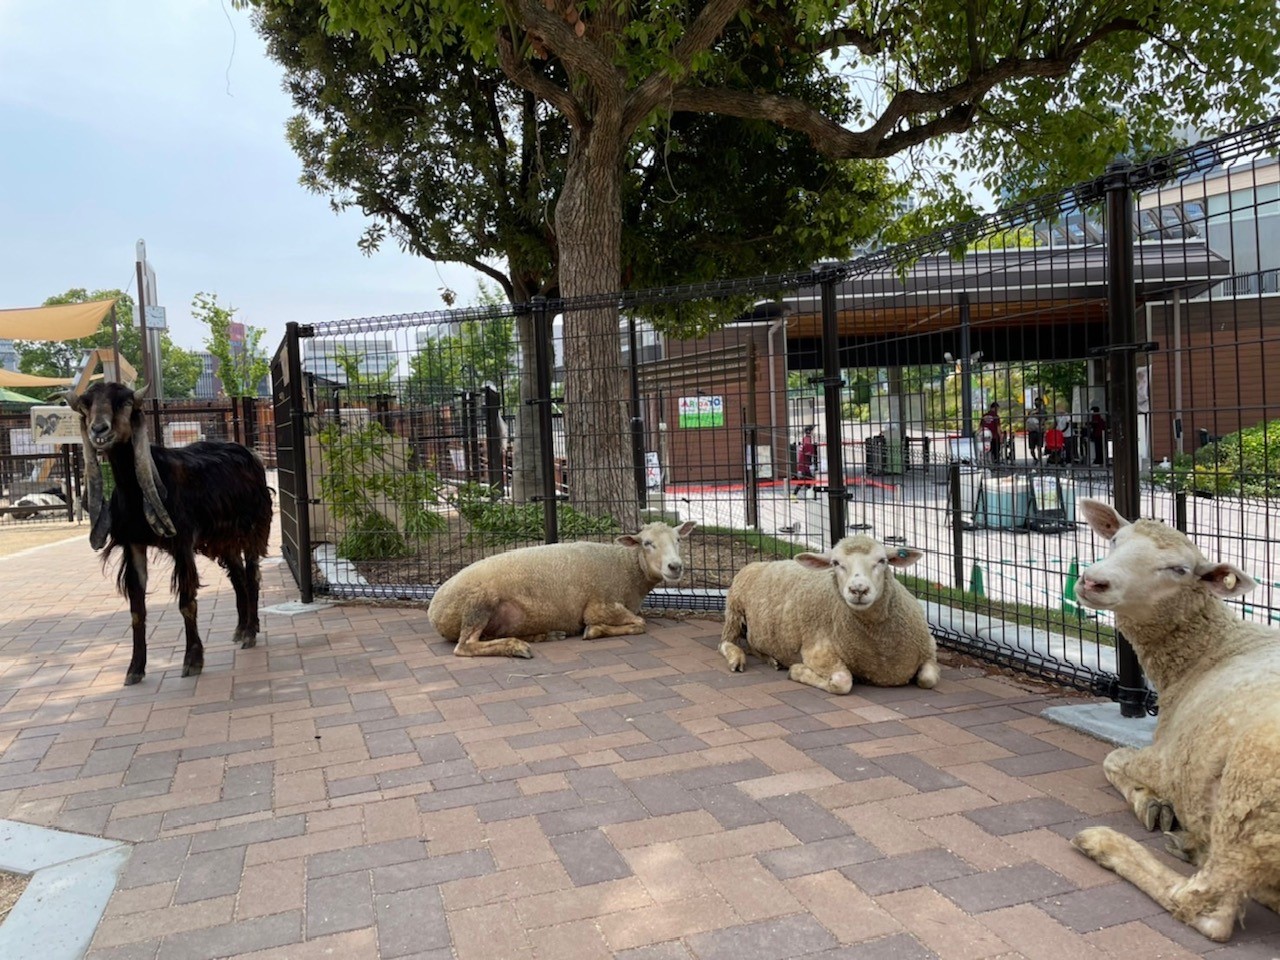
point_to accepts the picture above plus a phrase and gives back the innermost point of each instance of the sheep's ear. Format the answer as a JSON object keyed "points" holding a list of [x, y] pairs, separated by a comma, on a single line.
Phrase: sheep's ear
{"points": [[1225, 580], [814, 561], [1102, 518], [628, 540], [685, 528], [905, 556]]}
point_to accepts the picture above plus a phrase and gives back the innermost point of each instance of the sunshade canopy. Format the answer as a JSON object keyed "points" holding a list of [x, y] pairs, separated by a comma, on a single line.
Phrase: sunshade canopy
{"points": [[13, 396], [68, 321], [9, 378]]}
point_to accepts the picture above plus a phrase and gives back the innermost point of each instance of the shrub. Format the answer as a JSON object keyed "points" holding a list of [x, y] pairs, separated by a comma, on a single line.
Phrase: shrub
{"points": [[1246, 462], [493, 521]]}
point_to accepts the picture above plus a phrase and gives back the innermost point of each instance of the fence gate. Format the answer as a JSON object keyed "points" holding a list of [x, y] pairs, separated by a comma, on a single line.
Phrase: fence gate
{"points": [[294, 503]]}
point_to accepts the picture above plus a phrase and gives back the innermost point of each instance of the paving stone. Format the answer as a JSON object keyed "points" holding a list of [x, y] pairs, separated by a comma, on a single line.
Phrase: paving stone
{"points": [[769, 940], [818, 856], [589, 857], [1007, 818], [1004, 887], [212, 874]]}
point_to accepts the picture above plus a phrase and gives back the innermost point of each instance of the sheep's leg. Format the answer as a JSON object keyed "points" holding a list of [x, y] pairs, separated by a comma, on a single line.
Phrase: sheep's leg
{"points": [[188, 582], [470, 643], [610, 620], [135, 586], [1134, 773], [838, 681], [1210, 900], [734, 627], [928, 675]]}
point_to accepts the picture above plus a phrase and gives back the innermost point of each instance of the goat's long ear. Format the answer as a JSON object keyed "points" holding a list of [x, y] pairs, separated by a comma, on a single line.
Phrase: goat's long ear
{"points": [[1225, 580], [149, 482], [1102, 518], [95, 500]]}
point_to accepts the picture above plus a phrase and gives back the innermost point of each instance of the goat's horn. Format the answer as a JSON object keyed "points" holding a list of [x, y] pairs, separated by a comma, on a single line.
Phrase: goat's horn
{"points": [[99, 512], [152, 487]]}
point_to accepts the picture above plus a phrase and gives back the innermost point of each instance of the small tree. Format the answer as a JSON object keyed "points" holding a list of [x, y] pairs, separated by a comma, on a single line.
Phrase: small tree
{"points": [[64, 358], [239, 370]]}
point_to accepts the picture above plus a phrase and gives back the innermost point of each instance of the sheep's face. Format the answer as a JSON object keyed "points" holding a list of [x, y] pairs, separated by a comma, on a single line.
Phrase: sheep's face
{"points": [[860, 568], [1149, 566], [658, 547], [106, 410]]}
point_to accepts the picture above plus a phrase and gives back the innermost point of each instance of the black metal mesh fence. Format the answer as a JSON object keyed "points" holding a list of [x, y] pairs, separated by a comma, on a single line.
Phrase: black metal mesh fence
{"points": [[957, 394]]}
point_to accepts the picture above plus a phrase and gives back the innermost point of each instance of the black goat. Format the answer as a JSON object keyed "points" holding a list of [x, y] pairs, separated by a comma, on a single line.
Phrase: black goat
{"points": [[209, 498]]}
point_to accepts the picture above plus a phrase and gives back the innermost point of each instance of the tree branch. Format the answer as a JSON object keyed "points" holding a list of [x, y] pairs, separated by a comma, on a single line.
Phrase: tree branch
{"points": [[699, 36], [951, 109], [522, 73]]}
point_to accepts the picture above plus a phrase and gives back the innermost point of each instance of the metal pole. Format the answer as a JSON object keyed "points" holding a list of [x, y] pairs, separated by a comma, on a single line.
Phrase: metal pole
{"points": [[543, 401], [831, 384], [966, 371], [637, 423], [115, 342], [297, 414], [1121, 308], [957, 525]]}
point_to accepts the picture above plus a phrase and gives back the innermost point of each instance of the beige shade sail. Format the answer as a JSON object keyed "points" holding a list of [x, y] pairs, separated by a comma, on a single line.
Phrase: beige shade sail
{"points": [[10, 379], [68, 321]]}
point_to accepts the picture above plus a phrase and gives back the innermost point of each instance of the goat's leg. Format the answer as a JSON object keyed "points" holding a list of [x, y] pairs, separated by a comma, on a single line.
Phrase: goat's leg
{"points": [[252, 594], [610, 620], [188, 578], [245, 579], [1137, 774], [135, 586]]}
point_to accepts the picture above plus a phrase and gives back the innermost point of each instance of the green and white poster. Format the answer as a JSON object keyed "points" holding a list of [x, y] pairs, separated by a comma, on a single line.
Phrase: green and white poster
{"points": [[701, 412]]}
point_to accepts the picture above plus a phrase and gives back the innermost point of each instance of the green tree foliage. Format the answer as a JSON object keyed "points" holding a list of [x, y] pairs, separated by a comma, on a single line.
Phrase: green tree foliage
{"points": [[64, 358], [1038, 94], [457, 162], [477, 352], [241, 369]]}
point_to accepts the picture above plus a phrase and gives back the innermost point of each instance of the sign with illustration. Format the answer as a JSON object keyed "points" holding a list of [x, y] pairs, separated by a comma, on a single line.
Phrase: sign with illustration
{"points": [[701, 411], [54, 424]]}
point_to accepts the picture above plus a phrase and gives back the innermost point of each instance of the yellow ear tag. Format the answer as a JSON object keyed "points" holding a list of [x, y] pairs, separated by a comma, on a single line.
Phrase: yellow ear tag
{"points": [[1229, 581]]}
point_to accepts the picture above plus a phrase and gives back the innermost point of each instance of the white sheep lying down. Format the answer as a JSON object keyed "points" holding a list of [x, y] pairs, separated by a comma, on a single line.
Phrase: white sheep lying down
{"points": [[499, 605], [831, 617], [1213, 768]]}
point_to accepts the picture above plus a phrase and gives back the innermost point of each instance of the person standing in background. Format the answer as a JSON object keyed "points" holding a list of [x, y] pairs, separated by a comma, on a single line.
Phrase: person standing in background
{"points": [[1098, 435], [1035, 433]]}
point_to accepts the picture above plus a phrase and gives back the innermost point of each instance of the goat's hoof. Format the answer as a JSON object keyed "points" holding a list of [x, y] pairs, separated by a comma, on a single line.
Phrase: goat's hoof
{"points": [[556, 634], [131, 678], [248, 642], [192, 669], [521, 649]]}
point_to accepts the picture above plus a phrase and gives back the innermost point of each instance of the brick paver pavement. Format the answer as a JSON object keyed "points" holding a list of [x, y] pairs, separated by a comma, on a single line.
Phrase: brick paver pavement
{"points": [[350, 789]]}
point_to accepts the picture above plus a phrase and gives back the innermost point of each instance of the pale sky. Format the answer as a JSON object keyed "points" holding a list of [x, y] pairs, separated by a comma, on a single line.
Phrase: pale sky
{"points": [[163, 120]]}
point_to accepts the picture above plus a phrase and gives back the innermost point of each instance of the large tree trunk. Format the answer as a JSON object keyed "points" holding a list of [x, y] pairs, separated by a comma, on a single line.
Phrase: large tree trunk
{"points": [[589, 231], [526, 464]]}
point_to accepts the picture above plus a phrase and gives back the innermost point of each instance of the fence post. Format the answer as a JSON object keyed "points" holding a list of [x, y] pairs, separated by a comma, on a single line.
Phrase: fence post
{"points": [[637, 422], [957, 524], [1123, 396], [831, 384], [495, 453], [543, 400], [298, 431], [966, 371]]}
